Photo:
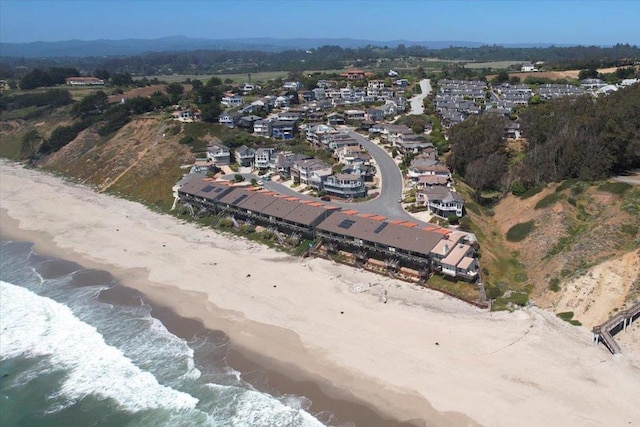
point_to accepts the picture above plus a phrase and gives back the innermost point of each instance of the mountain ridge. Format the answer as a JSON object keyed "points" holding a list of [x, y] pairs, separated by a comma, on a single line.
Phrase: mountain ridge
{"points": [[135, 46]]}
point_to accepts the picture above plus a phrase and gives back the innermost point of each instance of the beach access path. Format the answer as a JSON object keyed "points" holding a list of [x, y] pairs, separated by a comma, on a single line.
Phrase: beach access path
{"points": [[422, 355]]}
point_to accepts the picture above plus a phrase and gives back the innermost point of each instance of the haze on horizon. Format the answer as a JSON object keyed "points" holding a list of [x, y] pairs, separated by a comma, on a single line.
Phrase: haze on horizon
{"points": [[555, 22]]}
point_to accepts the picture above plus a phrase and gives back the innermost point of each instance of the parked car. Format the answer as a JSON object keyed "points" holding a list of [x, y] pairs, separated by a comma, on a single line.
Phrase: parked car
{"points": [[325, 198]]}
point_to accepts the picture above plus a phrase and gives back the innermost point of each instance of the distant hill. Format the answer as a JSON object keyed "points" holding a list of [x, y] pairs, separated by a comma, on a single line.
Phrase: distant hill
{"points": [[97, 48]]}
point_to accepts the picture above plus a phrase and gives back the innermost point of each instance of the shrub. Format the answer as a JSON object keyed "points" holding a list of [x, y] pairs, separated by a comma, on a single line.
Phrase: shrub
{"points": [[567, 316], [188, 139], [518, 189], [548, 200], [453, 220], [520, 231], [532, 192], [629, 229], [519, 298], [566, 184], [617, 188], [554, 284]]}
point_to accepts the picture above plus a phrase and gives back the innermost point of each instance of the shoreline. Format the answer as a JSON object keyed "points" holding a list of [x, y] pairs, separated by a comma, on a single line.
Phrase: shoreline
{"points": [[281, 378], [423, 356]]}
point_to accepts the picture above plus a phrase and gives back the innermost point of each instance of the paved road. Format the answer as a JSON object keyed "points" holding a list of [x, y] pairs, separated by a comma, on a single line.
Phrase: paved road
{"points": [[632, 177], [417, 106]]}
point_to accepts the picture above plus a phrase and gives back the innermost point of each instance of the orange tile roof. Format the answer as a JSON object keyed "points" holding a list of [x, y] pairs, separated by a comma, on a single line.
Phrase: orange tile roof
{"points": [[396, 221], [350, 212], [379, 218], [409, 224]]}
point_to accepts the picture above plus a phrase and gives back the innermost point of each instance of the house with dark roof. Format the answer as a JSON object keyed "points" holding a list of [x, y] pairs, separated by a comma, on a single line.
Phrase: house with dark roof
{"points": [[442, 201], [245, 156], [398, 245], [265, 158], [397, 242], [284, 162], [218, 154], [302, 171], [229, 119], [346, 186], [283, 129], [262, 128]]}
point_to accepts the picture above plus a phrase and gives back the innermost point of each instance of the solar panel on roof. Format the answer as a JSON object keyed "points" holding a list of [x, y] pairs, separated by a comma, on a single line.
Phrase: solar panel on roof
{"points": [[380, 227], [207, 188], [239, 199], [346, 223]]}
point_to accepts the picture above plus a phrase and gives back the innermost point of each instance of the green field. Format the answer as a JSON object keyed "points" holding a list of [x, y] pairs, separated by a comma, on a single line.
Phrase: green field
{"points": [[498, 65]]}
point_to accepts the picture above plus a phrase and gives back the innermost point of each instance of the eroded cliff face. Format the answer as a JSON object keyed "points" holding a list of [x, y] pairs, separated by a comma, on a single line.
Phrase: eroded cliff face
{"points": [[141, 161], [585, 242]]}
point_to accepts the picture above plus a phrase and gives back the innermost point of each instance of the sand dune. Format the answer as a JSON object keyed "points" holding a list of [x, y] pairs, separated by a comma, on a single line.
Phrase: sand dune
{"points": [[422, 355]]}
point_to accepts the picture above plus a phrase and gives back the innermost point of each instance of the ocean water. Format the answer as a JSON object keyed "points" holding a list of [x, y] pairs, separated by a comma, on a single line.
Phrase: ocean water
{"points": [[73, 352]]}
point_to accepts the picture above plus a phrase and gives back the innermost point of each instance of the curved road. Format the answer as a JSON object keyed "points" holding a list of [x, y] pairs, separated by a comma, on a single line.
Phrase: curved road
{"points": [[417, 106]]}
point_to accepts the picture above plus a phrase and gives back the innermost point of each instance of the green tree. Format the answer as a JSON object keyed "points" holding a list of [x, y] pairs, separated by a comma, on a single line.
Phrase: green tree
{"points": [[95, 103], [175, 91], [102, 74], [501, 77], [30, 141]]}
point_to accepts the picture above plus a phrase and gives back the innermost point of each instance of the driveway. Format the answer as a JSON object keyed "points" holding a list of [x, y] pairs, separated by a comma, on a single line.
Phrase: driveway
{"points": [[417, 106]]}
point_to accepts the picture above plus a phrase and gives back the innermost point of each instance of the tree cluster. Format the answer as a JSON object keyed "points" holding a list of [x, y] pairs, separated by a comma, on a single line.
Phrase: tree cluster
{"points": [[582, 138], [479, 151], [44, 78], [50, 98]]}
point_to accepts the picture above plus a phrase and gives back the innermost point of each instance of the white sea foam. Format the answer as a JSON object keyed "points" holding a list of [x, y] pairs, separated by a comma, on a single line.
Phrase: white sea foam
{"points": [[32, 325], [253, 408]]}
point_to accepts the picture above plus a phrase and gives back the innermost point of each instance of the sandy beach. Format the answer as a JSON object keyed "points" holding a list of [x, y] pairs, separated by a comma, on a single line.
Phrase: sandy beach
{"points": [[421, 356]]}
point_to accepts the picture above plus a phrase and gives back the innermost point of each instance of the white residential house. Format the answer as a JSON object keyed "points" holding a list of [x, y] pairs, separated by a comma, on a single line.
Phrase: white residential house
{"points": [[347, 186], [292, 86], [527, 68], [247, 88], [231, 100], [229, 119], [442, 201], [218, 154], [183, 116], [315, 132], [282, 102], [264, 158]]}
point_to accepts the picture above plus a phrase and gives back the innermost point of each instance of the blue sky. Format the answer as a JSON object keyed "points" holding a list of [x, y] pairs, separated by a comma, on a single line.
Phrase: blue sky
{"points": [[562, 22]]}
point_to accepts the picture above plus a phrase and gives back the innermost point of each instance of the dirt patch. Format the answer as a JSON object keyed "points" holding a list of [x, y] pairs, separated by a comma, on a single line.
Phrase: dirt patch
{"points": [[582, 243], [143, 92], [594, 296], [554, 75], [11, 127]]}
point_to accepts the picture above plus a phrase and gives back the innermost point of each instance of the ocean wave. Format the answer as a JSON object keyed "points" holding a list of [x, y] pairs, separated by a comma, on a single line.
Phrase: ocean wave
{"points": [[247, 408], [36, 326]]}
